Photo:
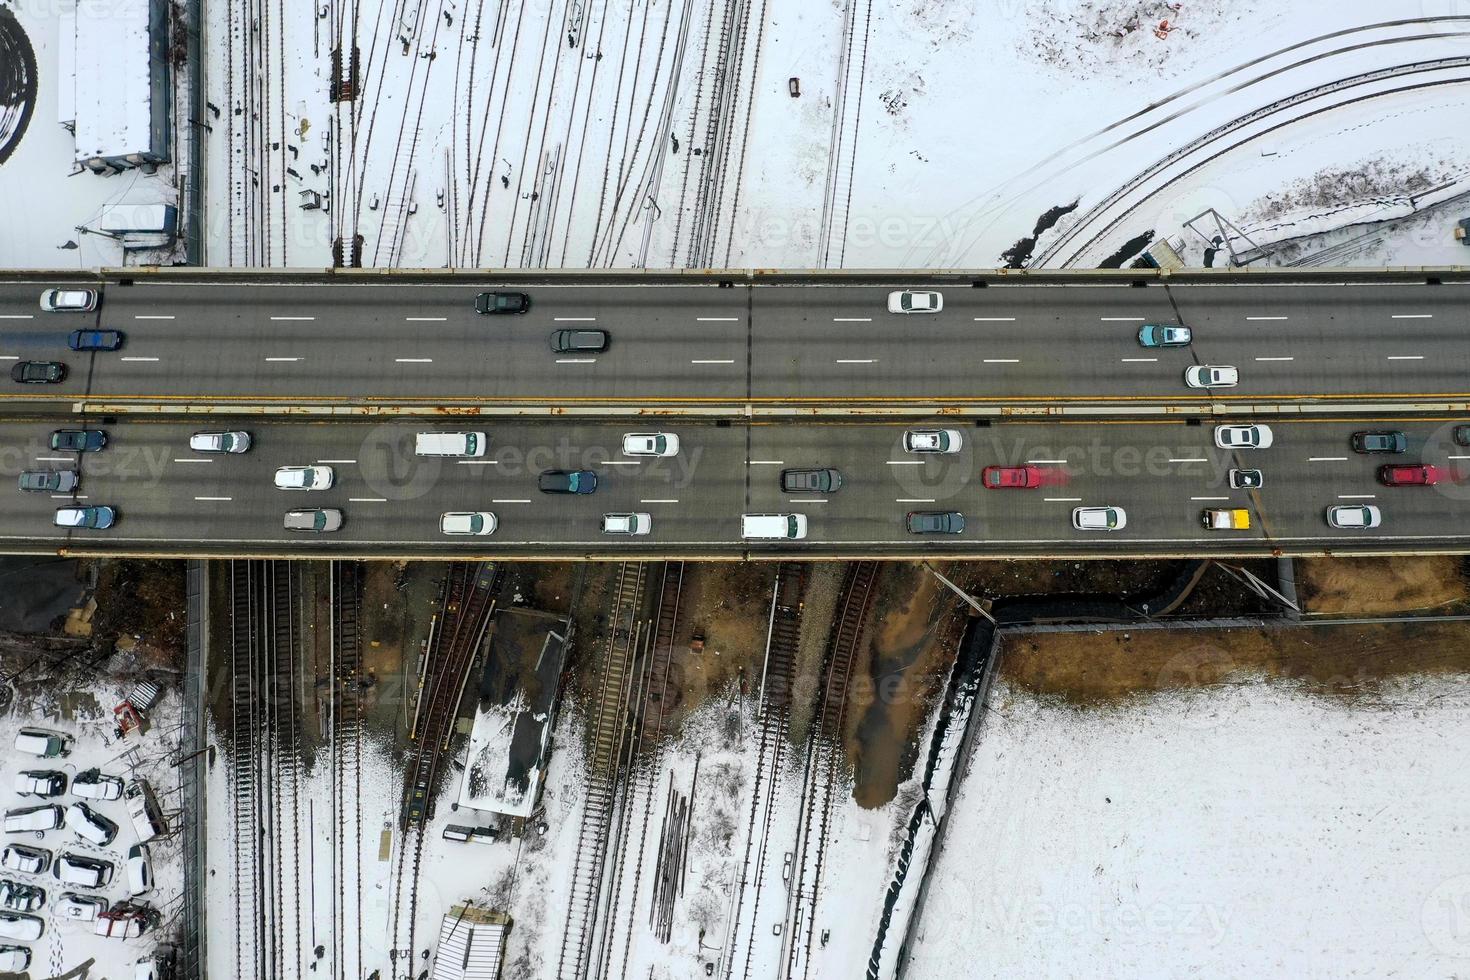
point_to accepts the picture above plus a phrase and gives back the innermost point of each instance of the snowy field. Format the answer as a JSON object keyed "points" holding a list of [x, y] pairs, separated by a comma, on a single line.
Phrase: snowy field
{"points": [[65, 945], [1241, 831]]}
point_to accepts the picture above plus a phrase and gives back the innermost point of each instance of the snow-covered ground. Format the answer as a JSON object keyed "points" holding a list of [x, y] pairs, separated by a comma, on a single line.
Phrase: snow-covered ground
{"points": [[1251, 830], [69, 945]]}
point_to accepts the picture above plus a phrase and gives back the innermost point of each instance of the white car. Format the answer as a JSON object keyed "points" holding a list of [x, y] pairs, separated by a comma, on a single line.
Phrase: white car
{"points": [[933, 441], [627, 523], [26, 860], [468, 522], [69, 300], [16, 959], [219, 442], [304, 478], [1099, 518], [1211, 376], [1354, 516], [139, 870], [80, 908], [96, 785], [650, 444], [1243, 436], [915, 301]]}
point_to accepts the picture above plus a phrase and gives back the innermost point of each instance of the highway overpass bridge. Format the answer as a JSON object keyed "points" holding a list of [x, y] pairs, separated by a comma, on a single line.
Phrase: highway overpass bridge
{"points": [[756, 372]]}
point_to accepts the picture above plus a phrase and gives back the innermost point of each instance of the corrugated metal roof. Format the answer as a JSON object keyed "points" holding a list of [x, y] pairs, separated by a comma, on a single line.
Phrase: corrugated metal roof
{"points": [[471, 945]]}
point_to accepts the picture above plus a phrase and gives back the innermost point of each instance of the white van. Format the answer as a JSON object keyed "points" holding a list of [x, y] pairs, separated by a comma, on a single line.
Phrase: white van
{"points": [[450, 444], [143, 809], [26, 928], [48, 745], [90, 825], [93, 784], [33, 818], [773, 526], [73, 869]]}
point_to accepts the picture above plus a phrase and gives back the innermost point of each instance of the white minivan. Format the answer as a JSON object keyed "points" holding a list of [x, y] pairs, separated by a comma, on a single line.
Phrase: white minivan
{"points": [[90, 825], [36, 741], [40, 818], [450, 444], [773, 526], [16, 925]]}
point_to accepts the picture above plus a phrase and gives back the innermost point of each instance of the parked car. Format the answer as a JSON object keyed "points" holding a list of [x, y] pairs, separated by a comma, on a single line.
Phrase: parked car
{"points": [[811, 481], [305, 478], [933, 441], [1355, 516], [1461, 435], [567, 481], [93, 784], [1211, 376], [468, 522], [1243, 436], [38, 372], [82, 871], [38, 741], [80, 908], [1099, 518], [934, 522], [1379, 442], [94, 518], [320, 520], [90, 825], [44, 783], [579, 341], [139, 870], [915, 301], [34, 819], [1164, 335], [220, 442], [1011, 477], [650, 444], [1226, 519], [25, 860], [78, 440], [1409, 475], [49, 481], [17, 925], [18, 897], [627, 523], [15, 959], [487, 303], [69, 300], [95, 340], [1246, 480], [143, 810]]}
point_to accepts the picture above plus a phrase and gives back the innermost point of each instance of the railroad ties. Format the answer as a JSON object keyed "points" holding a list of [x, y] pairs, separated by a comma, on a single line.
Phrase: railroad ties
{"points": [[347, 744]]}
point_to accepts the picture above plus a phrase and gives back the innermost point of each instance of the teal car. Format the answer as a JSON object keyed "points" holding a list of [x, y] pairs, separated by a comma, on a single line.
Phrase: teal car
{"points": [[1163, 335]]}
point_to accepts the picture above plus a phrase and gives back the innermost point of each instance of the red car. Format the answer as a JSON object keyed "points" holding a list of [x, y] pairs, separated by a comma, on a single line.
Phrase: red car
{"points": [[1409, 475], [1011, 477]]}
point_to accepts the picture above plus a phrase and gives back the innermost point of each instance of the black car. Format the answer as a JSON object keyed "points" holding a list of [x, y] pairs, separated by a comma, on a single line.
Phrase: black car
{"points": [[578, 341], [810, 481], [567, 481], [935, 522], [1461, 435], [49, 481], [78, 440], [87, 340], [1246, 480], [38, 372], [1379, 442], [502, 303]]}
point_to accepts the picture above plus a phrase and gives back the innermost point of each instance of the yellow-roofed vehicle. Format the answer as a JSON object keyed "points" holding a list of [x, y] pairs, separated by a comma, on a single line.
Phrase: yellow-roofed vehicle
{"points": [[1226, 519]]}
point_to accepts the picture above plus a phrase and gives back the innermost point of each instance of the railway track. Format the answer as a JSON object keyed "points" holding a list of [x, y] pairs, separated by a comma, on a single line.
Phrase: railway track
{"points": [[468, 602], [244, 724], [777, 680], [346, 747], [824, 766], [608, 740]]}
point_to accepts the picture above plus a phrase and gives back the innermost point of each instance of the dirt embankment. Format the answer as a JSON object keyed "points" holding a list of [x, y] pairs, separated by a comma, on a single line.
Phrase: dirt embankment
{"points": [[1377, 586], [1348, 662]]}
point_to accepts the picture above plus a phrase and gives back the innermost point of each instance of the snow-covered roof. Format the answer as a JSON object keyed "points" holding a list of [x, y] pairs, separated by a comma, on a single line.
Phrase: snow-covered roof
{"points": [[471, 943], [490, 783], [112, 96]]}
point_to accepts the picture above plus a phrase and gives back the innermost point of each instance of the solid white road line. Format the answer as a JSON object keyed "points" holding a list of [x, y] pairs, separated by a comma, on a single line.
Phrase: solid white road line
{"points": [[426, 319], [413, 360], [574, 319], [576, 360], [913, 500], [1357, 496], [995, 319], [478, 462], [17, 316], [367, 500], [53, 459], [220, 499], [1139, 360], [1275, 358], [1413, 316], [717, 319], [1457, 457], [1035, 462], [9, 357], [794, 500], [852, 319], [1190, 459], [281, 359], [303, 319], [1265, 318], [765, 462], [1002, 360], [1327, 459], [1406, 357], [1209, 498], [727, 361], [344, 462], [142, 316], [905, 462], [1122, 319], [853, 360], [65, 496], [1062, 500], [137, 358], [192, 459], [622, 462], [507, 500], [660, 500]]}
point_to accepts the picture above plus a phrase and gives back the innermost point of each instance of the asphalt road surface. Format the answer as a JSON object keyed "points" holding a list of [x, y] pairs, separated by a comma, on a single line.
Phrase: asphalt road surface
{"points": [[174, 501], [195, 346]]}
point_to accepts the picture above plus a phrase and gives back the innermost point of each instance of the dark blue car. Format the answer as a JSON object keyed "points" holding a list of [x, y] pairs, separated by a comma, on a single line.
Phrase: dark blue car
{"points": [[87, 340], [567, 481]]}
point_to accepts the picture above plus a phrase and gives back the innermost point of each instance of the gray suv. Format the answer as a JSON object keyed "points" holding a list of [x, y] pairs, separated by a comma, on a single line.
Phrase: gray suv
{"points": [[49, 481], [578, 341], [810, 481], [935, 522]]}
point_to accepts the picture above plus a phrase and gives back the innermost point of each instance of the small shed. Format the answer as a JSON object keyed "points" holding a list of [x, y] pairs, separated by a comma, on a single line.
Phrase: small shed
{"points": [[471, 944], [116, 90]]}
